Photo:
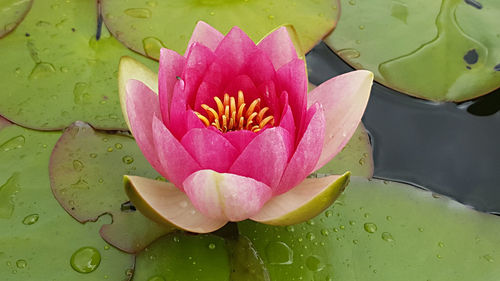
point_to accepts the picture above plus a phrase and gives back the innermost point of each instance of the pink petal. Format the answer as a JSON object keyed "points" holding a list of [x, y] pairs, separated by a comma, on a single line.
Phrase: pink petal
{"points": [[210, 149], [267, 91], [292, 78], [162, 202], [178, 111], [245, 84], [177, 163], [142, 106], [259, 68], [240, 139], [198, 62], [344, 99], [235, 49], [279, 47], [193, 121], [171, 67], [206, 35], [265, 157], [226, 196], [287, 122], [307, 153]]}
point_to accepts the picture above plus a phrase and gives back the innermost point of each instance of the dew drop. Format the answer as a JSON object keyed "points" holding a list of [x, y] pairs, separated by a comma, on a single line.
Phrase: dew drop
{"points": [[80, 93], [361, 27], [441, 244], [329, 213], [211, 246], [325, 232], [93, 155], [310, 236], [488, 258], [118, 145], [129, 272], [31, 219], [41, 70], [176, 239], [361, 161], [314, 263], [388, 218], [21, 264], [271, 17], [386, 236], [13, 143], [349, 53], [370, 227], [355, 242], [152, 46], [156, 278], [421, 229], [140, 13], [279, 253], [352, 222], [152, 4], [8, 193], [290, 228], [127, 159], [85, 260], [212, 13], [352, 2], [78, 165]]}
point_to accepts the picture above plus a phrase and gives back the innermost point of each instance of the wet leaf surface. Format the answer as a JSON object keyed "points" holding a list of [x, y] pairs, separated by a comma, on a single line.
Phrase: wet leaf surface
{"points": [[86, 171], [12, 12], [57, 72], [144, 27], [380, 231], [180, 256], [438, 50], [38, 239]]}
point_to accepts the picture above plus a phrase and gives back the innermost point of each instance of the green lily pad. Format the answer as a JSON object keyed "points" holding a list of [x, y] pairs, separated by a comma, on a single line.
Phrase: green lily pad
{"points": [[356, 157], [438, 50], [86, 172], [246, 263], [38, 239], [181, 256], [57, 72], [147, 26], [12, 12], [379, 230]]}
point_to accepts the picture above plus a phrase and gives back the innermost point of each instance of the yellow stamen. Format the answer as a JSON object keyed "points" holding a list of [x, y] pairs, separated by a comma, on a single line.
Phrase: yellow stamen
{"points": [[232, 114]]}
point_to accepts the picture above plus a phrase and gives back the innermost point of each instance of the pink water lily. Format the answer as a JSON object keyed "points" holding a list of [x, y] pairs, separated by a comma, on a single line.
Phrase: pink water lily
{"points": [[236, 134]]}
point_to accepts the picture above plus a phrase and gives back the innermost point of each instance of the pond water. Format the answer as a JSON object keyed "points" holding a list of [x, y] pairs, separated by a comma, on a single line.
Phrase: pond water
{"points": [[448, 148]]}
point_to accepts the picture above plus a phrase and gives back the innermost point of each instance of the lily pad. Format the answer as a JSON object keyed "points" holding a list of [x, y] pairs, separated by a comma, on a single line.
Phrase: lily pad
{"points": [[380, 230], [356, 157], [57, 72], [147, 26], [438, 50], [38, 239], [86, 172], [12, 12], [181, 256]]}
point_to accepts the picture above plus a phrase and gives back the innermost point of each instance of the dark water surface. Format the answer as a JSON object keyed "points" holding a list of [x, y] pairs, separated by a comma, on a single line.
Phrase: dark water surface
{"points": [[451, 149]]}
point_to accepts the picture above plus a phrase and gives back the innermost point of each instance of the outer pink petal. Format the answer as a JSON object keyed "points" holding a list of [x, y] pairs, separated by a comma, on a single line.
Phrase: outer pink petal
{"points": [[235, 49], [265, 158], [226, 196], [292, 78], [142, 107], [210, 149], [279, 47], [307, 153], [287, 122], [178, 110], [171, 67], [344, 99], [206, 35], [240, 139], [175, 160]]}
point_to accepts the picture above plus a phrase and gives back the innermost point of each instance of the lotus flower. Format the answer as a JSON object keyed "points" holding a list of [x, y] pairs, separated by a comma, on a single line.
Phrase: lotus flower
{"points": [[236, 134]]}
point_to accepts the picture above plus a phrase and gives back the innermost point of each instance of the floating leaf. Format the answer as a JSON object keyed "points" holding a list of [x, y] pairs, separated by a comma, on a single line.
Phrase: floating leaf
{"points": [[12, 12], [86, 172], [38, 239], [438, 50], [147, 26], [379, 230], [56, 72], [181, 256]]}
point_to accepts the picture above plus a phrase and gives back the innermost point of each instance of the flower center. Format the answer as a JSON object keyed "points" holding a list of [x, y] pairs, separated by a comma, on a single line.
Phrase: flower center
{"points": [[233, 116]]}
